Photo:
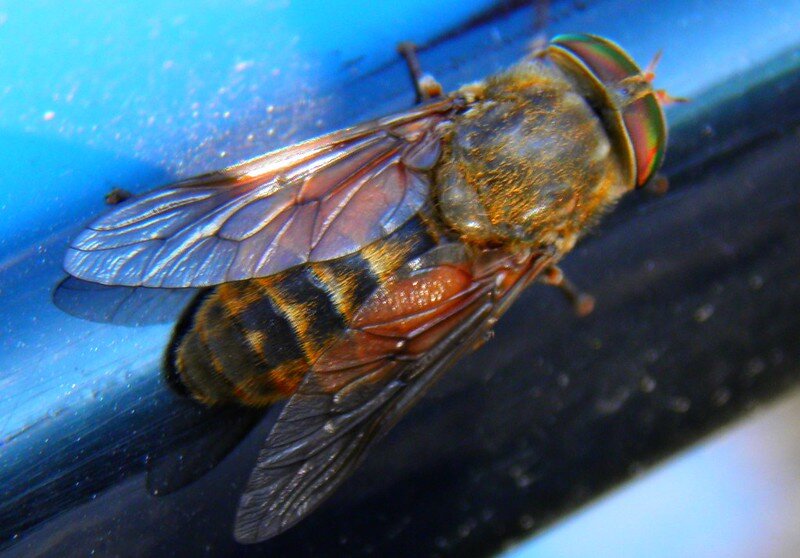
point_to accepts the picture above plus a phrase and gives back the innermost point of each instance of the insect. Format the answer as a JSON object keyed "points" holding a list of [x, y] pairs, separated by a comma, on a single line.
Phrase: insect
{"points": [[346, 273]]}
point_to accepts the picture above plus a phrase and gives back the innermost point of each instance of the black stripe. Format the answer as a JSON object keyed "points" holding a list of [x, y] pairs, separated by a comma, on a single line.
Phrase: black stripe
{"points": [[183, 327], [323, 319], [355, 269], [225, 333], [201, 377], [415, 234], [280, 341], [226, 338]]}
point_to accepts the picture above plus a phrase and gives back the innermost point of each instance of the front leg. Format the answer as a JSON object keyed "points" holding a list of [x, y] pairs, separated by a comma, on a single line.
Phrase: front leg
{"points": [[426, 87]]}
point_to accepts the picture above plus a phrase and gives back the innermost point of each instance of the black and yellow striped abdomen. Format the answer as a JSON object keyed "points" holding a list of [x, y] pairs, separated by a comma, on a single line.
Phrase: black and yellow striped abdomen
{"points": [[252, 341]]}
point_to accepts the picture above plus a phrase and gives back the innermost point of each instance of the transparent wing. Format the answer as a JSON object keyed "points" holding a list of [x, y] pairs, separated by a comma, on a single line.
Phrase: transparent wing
{"points": [[207, 438], [317, 200], [396, 348], [118, 305]]}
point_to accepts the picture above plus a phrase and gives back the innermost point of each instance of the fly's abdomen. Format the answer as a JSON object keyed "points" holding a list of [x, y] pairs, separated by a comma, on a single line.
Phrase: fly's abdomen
{"points": [[253, 341]]}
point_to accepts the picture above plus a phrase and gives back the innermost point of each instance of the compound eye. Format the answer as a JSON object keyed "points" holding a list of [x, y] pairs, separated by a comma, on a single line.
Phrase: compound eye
{"points": [[643, 118]]}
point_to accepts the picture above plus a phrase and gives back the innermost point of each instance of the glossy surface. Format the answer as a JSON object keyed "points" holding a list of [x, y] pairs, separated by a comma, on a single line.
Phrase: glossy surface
{"points": [[535, 166], [398, 345], [79, 386], [643, 118]]}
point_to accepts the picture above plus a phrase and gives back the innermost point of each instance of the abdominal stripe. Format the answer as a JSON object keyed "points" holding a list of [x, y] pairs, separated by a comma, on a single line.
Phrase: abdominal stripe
{"points": [[254, 340]]}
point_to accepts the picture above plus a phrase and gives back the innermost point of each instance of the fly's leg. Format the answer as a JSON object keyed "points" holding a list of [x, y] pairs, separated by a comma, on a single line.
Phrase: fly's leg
{"points": [[424, 84], [582, 303], [541, 18], [657, 186], [117, 195]]}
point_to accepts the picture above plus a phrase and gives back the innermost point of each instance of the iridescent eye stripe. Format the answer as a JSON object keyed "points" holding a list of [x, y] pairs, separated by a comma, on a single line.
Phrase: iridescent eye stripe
{"points": [[645, 123], [644, 120]]}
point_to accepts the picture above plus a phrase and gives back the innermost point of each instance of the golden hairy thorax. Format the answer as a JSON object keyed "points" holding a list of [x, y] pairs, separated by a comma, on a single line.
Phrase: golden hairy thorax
{"points": [[529, 163]]}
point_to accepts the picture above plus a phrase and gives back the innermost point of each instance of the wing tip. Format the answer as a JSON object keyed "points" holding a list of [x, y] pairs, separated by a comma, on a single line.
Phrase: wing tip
{"points": [[251, 529], [81, 264], [73, 264]]}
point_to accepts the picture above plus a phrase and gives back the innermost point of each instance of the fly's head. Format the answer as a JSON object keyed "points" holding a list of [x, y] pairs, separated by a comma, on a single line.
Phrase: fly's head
{"points": [[622, 95]]}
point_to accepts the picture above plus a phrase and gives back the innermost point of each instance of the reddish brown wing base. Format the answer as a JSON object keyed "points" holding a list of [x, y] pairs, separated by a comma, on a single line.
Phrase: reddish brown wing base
{"points": [[314, 201], [400, 341]]}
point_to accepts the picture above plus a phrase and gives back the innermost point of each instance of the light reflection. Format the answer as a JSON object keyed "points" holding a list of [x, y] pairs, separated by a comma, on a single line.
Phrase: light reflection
{"points": [[735, 495]]}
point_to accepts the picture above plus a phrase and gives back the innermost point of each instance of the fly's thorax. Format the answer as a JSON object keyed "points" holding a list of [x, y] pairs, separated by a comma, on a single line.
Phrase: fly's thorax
{"points": [[528, 163]]}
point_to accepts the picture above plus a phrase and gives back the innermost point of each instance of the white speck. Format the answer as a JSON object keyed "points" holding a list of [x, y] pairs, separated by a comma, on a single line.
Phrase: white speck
{"points": [[466, 528], [756, 282], [722, 396], [520, 476], [647, 384], [703, 313], [613, 402], [243, 65], [755, 367], [680, 404]]}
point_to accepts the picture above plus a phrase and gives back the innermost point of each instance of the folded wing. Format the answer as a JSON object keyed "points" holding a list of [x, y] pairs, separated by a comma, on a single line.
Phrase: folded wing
{"points": [[119, 305], [396, 348], [314, 201]]}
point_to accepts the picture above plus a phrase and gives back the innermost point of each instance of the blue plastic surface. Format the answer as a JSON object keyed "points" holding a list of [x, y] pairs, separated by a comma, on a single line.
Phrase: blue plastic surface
{"points": [[133, 94]]}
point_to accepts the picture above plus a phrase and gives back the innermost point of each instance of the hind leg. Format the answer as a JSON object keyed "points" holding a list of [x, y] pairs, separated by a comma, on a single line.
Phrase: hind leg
{"points": [[582, 303]]}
